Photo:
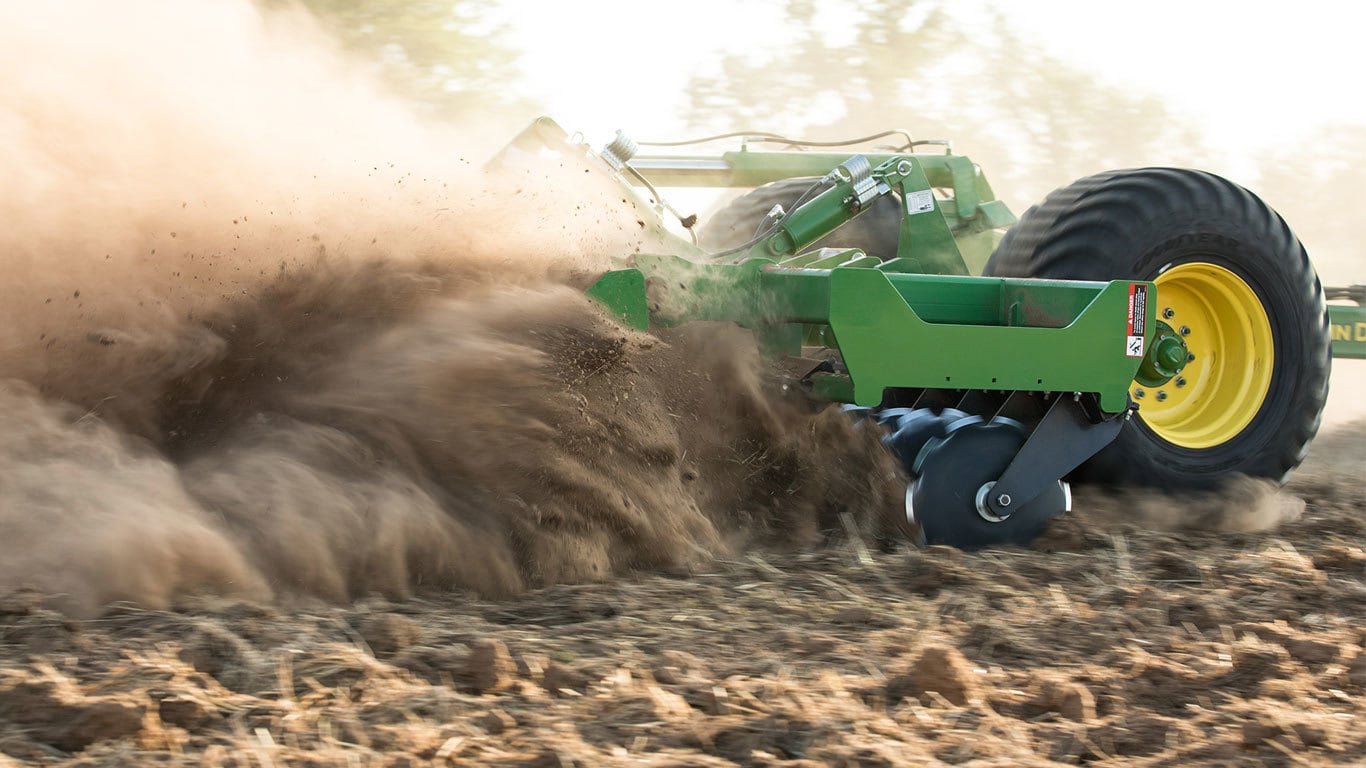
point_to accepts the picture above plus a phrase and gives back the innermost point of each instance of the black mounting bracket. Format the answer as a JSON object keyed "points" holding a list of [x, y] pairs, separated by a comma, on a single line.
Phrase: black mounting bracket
{"points": [[1072, 431]]}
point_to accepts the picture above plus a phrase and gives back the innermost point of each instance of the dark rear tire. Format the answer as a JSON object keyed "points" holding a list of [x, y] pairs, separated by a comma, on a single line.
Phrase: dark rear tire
{"points": [[1237, 277]]}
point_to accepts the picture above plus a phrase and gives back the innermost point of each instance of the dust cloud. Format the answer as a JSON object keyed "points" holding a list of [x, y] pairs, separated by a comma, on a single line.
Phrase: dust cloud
{"points": [[1241, 504], [267, 334]]}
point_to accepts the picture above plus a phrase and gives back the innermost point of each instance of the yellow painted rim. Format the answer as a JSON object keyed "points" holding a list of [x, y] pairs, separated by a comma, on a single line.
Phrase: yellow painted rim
{"points": [[1223, 388]]}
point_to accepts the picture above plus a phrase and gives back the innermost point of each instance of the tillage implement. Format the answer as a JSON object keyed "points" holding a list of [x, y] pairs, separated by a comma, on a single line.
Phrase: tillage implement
{"points": [[1156, 327]]}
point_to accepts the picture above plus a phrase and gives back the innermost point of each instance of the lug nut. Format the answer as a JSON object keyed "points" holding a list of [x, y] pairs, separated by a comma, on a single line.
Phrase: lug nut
{"points": [[1161, 395], [1180, 381], [1003, 499], [1185, 330], [1138, 393], [1190, 357], [1168, 313]]}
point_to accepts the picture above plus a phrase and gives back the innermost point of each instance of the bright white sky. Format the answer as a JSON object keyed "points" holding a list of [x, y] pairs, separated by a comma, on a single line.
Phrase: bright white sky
{"points": [[1253, 73]]}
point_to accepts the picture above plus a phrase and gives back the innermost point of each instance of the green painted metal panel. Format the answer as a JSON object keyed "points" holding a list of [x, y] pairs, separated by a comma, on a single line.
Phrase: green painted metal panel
{"points": [[622, 292], [838, 258], [690, 290], [925, 236], [953, 299], [909, 330], [885, 343], [1349, 330]]}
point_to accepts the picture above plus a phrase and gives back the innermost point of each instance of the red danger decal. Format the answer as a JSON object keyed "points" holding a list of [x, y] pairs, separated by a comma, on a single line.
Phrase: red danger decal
{"points": [[1137, 320], [1138, 309]]}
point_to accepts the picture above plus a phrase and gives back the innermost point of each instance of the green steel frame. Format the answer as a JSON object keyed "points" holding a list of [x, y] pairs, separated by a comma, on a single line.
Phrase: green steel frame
{"points": [[919, 320], [906, 330]]}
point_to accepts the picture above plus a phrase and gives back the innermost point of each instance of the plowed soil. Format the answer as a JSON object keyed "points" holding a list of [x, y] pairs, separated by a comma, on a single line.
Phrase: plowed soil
{"points": [[1113, 642]]}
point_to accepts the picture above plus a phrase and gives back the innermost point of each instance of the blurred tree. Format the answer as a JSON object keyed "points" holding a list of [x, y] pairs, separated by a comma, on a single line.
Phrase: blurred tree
{"points": [[1309, 187], [449, 56], [1033, 122]]}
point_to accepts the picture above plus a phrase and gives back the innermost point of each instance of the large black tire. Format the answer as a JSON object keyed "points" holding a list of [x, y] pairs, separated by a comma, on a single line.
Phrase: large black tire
{"points": [[1144, 224], [875, 232]]}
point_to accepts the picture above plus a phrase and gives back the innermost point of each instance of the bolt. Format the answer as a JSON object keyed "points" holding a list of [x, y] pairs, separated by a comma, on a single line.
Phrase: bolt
{"points": [[1190, 357], [1185, 330], [1003, 499], [1161, 395], [1180, 381], [1138, 393], [1168, 313]]}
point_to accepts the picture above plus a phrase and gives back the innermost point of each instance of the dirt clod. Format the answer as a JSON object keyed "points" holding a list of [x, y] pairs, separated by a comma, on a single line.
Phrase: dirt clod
{"points": [[388, 633], [675, 667], [217, 651], [1257, 731], [1068, 698], [940, 670], [1258, 659], [185, 712], [496, 721], [561, 679], [57, 714], [489, 666], [1356, 672]]}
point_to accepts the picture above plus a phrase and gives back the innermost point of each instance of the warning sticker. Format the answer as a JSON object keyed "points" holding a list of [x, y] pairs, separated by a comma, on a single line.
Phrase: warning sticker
{"points": [[920, 201], [1137, 320]]}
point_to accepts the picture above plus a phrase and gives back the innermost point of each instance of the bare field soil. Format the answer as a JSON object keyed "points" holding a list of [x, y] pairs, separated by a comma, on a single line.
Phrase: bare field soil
{"points": [[1111, 643]]}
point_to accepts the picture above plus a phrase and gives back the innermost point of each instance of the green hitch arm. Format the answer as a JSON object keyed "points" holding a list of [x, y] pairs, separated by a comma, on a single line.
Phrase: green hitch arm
{"points": [[854, 186], [851, 189]]}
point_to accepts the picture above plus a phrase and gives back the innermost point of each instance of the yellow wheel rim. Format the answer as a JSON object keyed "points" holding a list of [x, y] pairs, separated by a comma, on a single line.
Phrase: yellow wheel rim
{"points": [[1223, 388]]}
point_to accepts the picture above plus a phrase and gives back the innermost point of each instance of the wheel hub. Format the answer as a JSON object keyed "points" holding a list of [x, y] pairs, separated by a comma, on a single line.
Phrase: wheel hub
{"points": [[984, 509], [1230, 353], [1167, 357]]}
